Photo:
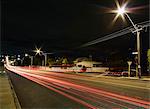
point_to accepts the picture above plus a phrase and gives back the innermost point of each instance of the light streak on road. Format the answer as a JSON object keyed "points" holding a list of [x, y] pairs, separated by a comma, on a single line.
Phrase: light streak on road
{"points": [[69, 76], [72, 92], [88, 96], [58, 91]]}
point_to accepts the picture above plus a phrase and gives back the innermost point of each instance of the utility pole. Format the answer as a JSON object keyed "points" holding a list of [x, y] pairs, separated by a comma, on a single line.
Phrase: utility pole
{"points": [[136, 30], [31, 60]]}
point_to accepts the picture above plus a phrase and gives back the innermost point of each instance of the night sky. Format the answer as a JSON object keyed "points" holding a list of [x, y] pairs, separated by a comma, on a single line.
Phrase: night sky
{"points": [[64, 25]]}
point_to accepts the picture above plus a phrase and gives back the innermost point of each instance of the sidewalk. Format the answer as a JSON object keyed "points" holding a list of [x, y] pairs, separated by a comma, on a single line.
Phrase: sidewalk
{"points": [[8, 98]]}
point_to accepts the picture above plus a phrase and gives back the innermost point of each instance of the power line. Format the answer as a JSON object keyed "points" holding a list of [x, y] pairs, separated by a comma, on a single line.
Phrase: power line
{"points": [[116, 34]]}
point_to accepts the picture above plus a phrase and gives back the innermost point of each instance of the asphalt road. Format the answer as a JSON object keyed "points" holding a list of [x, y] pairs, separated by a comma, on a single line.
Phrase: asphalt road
{"points": [[40, 89], [33, 95]]}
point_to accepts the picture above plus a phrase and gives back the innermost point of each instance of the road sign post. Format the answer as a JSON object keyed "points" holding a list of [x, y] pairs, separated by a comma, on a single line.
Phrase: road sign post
{"points": [[129, 64]]}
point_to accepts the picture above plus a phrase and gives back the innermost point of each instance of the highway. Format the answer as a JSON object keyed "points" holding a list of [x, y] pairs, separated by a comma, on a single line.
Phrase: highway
{"points": [[42, 89]]}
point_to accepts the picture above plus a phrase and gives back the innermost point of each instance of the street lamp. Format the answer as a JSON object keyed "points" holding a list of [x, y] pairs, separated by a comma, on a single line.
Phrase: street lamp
{"points": [[31, 57], [38, 51], [137, 28]]}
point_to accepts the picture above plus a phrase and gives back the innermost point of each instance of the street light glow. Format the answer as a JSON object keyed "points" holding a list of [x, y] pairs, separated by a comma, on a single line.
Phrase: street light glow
{"points": [[26, 54], [120, 11], [38, 51]]}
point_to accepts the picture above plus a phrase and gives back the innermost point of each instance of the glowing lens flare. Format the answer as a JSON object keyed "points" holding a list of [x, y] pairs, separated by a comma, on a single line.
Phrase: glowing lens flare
{"points": [[121, 10], [38, 51]]}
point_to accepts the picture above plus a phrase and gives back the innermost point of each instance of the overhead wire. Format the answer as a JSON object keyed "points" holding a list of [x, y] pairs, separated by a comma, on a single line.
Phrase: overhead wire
{"points": [[115, 34]]}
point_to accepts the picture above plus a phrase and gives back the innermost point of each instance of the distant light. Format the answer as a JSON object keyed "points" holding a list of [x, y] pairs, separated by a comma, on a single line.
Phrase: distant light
{"points": [[26, 55], [19, 56], [134, 52], [11, 62]]}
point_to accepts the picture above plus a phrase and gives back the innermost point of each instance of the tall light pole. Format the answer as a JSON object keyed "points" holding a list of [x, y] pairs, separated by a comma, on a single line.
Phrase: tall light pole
{"points": [[45, 55], [31, 57], [38, 51], [137, 28]]}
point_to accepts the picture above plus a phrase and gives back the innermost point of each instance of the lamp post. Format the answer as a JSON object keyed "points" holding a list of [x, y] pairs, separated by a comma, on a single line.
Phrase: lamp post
{"points": [[38, 51], [137, 28], [45, 55], [31, 57]]}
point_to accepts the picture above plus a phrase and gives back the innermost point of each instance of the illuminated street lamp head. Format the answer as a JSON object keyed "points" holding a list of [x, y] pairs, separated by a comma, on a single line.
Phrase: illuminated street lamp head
{"points": [[120, 11], [38, 51], [26, 55]]}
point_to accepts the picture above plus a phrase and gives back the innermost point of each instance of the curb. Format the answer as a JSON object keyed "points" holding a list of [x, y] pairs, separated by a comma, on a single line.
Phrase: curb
{"points": [[16, 101]]}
